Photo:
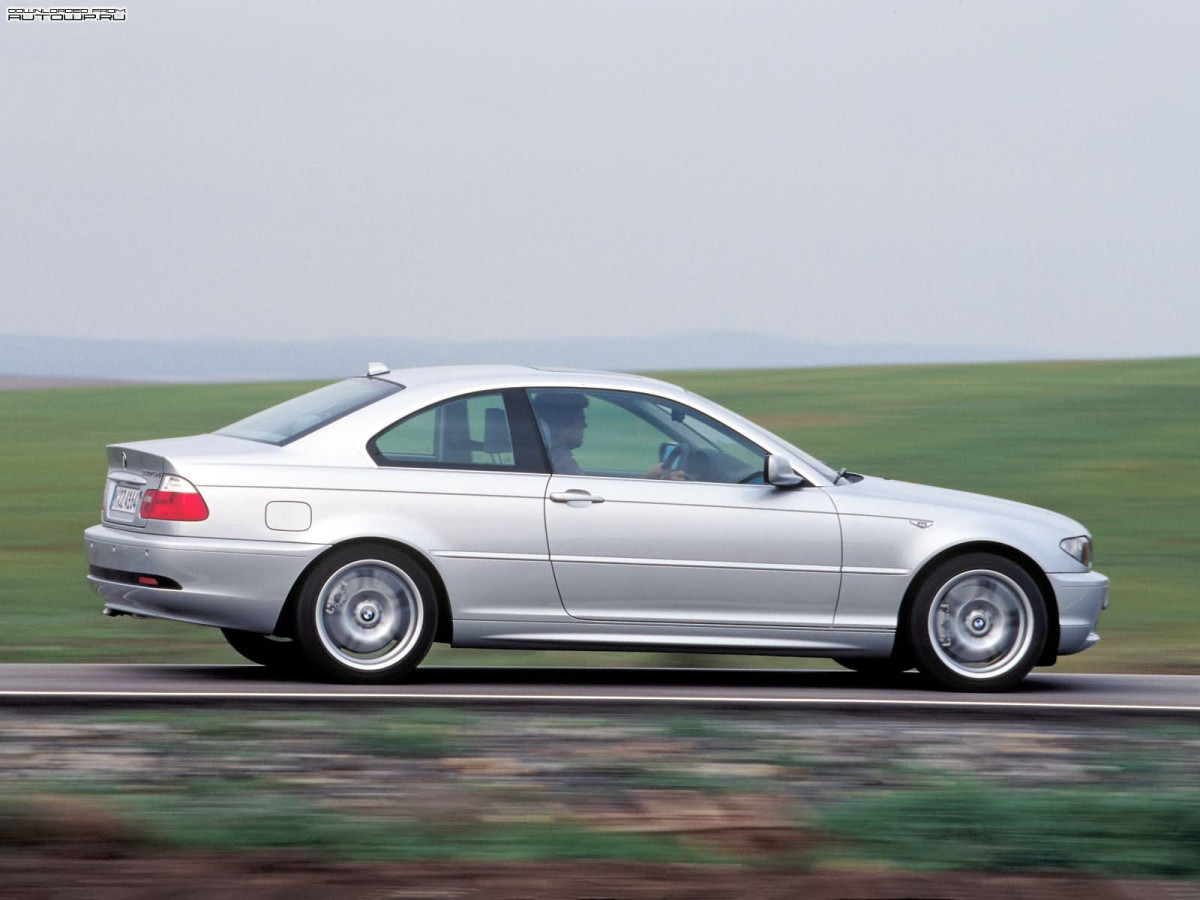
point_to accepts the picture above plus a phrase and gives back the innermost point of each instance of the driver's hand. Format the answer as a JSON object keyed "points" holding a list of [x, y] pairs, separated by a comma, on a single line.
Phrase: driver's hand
{"points": [[669, 474]]}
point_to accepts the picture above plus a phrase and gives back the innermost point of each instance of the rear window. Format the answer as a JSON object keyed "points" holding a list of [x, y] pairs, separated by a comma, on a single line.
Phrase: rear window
{"points": [[303, 415]]}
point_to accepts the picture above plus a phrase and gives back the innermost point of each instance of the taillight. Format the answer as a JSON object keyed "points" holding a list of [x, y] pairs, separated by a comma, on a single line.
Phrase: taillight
{"points": [[176, 499]]}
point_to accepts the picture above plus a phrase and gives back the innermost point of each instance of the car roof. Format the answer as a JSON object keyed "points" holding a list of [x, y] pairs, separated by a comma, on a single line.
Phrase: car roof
{"points": [[468, 377]]}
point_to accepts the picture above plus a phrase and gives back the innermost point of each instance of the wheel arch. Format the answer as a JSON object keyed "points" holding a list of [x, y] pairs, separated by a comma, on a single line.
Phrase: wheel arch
{"points": [[445, 625], [1049, 652]]}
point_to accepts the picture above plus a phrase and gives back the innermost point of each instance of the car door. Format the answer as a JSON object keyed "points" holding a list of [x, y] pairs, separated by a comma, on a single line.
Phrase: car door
{"points": [[632, 539]]}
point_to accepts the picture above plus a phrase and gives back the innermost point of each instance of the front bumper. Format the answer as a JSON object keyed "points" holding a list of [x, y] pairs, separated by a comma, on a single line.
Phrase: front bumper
{"points": [[1081, 597], [225, 583]]}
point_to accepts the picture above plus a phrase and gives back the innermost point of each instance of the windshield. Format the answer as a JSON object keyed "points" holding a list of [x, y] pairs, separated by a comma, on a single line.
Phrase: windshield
{"points": [[753, 430], [303, 415]]}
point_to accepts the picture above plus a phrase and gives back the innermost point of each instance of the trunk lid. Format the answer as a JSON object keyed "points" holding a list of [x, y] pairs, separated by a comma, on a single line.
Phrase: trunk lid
{"points": [[136, 467]]}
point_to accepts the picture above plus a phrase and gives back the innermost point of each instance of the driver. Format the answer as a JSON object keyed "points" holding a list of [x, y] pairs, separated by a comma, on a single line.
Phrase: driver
{"points": [[562, 413], [563, 416]]}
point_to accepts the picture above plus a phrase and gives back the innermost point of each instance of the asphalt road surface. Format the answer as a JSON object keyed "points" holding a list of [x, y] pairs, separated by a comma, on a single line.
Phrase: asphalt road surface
{"points": [[747, 688]]}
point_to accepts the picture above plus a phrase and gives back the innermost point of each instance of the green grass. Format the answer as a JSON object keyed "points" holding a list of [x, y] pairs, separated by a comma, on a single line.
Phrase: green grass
{"points": [[224, 815], [238, 815], [1113, 444], [427, 734], [987, 826]]}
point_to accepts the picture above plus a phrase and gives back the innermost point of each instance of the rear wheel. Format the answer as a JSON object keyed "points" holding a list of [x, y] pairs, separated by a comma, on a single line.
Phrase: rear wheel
{"points": [[978, 623], [366, 614], [274, 653]]}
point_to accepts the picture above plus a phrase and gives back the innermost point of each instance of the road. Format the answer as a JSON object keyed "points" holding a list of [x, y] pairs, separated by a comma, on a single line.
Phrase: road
{"points": [[747, 688]]}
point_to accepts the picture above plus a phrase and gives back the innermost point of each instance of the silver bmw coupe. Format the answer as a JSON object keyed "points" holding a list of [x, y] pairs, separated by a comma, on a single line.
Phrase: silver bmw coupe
{"points": [[344, 531]]}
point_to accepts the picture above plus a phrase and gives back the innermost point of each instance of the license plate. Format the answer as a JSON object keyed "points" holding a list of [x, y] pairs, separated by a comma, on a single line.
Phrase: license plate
{"points": [[126, 500]]}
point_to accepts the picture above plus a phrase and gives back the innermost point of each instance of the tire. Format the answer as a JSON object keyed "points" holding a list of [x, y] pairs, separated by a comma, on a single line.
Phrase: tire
{"points": [[274, 653], [366, 614], [978, 623], [874, 667]]}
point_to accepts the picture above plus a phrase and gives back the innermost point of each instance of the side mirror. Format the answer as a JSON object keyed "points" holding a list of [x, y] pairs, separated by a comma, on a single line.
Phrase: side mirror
{"points": [[778, 470]]}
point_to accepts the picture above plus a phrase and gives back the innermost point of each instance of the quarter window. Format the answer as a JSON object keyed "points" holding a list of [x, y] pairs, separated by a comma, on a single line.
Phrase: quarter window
{"points": [[473, 432]]}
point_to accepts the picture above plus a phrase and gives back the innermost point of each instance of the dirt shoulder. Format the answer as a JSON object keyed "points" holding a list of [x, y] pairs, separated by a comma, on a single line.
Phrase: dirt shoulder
{"points": [[263, 877]]}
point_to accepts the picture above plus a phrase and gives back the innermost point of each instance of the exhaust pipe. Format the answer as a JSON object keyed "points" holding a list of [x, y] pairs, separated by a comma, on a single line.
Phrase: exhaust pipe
{"points": [[113, 613]]}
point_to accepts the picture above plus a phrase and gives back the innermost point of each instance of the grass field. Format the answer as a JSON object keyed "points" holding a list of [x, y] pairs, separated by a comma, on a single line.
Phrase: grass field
{"points": [[1113, 444]]}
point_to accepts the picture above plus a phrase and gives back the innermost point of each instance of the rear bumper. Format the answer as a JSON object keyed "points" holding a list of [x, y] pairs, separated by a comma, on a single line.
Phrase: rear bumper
{"points": [[224, 583], [1081, 597]]}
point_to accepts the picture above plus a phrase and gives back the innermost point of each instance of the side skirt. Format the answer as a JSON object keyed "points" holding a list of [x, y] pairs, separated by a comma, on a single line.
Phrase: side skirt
{"points": [[560, 635]]}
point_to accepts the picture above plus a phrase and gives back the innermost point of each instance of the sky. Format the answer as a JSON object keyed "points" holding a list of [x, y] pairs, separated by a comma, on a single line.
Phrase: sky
{"points": [[1020, 176]]}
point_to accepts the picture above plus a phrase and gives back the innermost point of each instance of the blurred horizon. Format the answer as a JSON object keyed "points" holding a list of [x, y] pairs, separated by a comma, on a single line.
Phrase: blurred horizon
{"points": [[38, 358]]}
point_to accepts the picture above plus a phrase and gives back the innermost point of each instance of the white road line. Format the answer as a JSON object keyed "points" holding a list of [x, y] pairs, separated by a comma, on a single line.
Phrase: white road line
{"points": [[242, 665], [584, 698], [657, 670]]}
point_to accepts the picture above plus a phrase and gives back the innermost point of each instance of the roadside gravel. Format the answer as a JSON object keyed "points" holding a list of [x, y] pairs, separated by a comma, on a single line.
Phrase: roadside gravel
{"points": [[437, 802]]}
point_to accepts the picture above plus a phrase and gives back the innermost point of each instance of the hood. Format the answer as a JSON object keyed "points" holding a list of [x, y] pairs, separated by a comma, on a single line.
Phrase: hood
{"points": [[903, 499]]}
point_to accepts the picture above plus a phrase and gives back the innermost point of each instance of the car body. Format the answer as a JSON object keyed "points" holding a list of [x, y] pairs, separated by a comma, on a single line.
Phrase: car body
{"points": [[347, 529]]}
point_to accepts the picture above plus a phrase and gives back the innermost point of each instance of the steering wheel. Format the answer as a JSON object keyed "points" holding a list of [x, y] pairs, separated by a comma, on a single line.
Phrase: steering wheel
{"points": [[675, 460]]}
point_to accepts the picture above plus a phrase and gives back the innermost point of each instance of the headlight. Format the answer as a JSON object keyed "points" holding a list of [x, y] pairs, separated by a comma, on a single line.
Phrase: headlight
{"points": [[1079, 548]]}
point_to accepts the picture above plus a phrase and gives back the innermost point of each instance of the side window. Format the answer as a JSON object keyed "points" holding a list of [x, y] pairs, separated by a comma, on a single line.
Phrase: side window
{"points": [[734, 457], [619, 434], [472, 432]]}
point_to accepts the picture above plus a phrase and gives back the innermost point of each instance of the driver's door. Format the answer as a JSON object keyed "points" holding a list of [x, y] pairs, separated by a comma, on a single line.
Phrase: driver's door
{"points": [[627, 546]]}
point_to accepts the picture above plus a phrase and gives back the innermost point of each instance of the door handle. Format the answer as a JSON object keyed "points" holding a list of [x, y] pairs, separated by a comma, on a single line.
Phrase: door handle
{"points": [[575, 496]]}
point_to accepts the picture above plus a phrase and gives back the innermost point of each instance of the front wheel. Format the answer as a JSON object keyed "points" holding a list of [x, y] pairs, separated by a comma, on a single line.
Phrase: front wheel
{"points": [[366, 614], [978, 623]]}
